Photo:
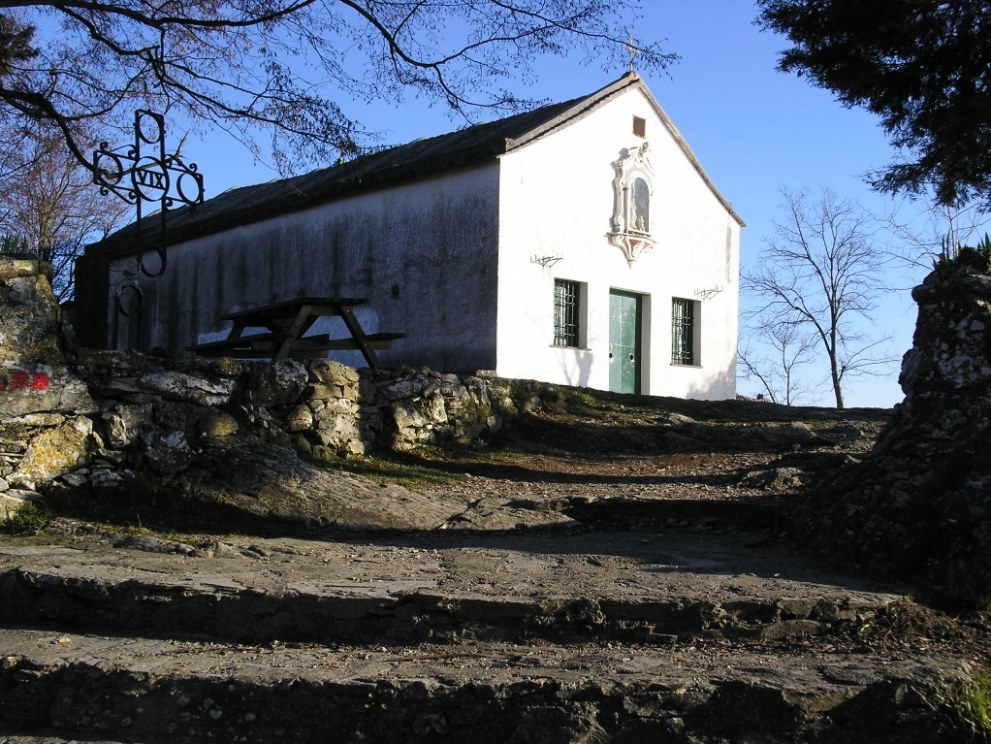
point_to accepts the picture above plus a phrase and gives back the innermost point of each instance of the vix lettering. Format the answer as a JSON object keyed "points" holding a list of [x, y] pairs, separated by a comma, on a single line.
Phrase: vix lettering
{"points": [[153, 178], [18, 379]]}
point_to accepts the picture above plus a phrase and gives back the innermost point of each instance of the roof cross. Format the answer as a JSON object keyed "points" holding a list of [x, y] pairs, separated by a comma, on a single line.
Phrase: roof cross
{"points": [[633, 50]]}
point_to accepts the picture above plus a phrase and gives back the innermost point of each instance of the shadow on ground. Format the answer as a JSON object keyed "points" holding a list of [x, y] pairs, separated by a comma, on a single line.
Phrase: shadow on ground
{"points": [[545, 487]]}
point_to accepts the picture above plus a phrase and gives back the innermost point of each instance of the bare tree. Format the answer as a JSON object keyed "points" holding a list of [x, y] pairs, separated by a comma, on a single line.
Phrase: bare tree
{"points": [[785, 348], [289, 66], [49, 207], [820, 272]]}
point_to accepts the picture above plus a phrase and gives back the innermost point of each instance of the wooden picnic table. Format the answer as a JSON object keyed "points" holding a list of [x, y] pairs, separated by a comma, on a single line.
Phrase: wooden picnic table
{"points": [[285, 325]]}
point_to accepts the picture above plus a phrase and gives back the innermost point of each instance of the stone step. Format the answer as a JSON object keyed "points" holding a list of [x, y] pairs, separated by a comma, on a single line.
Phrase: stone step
{"points": [[653, 589], [402, 612], [141, 690]]}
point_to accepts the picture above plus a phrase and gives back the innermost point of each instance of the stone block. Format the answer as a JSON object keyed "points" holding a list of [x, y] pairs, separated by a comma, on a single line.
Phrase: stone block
{"points": [[55, 450], [418, 386], [337, 407], [27, 387], [212, 367], [105, 478], [188, 388], [36, 420], [337, 432], [333, 373], [218, 425], [22, 268], [125, 423], [407, 416], [74, 479], [300, 419], [278, 384], [322, 391], [166, 452]]}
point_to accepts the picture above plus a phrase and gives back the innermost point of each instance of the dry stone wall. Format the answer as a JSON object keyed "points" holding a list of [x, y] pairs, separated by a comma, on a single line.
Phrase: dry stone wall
{"points": [[99, 417]]}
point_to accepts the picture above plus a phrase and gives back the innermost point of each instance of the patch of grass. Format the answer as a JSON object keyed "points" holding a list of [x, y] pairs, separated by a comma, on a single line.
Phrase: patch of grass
{"points": [[581, 401], [29, 519], [968, 705], [504, 456]]}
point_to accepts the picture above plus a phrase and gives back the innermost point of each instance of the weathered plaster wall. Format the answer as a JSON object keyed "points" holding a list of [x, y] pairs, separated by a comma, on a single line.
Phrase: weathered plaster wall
{"points": [[423, 255], [556, 198]]}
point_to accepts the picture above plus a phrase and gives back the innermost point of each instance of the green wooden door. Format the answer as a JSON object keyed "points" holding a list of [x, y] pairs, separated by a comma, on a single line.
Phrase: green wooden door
{"points": [[624, 342]]}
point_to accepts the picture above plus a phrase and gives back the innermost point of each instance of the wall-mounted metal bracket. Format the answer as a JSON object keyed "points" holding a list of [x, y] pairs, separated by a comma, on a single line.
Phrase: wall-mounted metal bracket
{"points": [[708, 294]]}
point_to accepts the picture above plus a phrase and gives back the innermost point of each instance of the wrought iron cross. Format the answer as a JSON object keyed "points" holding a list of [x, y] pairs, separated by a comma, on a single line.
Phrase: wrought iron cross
{"points": [[137, 177]]}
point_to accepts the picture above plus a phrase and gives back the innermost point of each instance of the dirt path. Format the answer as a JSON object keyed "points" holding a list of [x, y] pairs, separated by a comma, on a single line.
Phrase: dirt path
{"points": [[617, 576]]}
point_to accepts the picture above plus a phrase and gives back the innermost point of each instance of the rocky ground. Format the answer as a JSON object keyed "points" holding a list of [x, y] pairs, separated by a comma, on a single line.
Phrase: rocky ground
{"points": [[618, 569]]}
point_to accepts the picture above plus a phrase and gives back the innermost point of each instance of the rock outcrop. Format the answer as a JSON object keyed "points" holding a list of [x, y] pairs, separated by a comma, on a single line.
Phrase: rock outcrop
{"points": [[918, 507], [43, 403]]}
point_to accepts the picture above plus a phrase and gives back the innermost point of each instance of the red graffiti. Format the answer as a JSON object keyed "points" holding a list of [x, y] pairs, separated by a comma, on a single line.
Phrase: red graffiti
{"points": [[21, 380]]}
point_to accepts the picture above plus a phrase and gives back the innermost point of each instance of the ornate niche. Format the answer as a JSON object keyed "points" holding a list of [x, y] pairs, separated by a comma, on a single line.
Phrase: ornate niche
{"points": [[632, 190]]}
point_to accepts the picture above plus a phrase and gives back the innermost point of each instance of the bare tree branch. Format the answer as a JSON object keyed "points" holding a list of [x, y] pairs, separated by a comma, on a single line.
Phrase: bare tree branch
{"points": [[920, 228], [288, 66]]}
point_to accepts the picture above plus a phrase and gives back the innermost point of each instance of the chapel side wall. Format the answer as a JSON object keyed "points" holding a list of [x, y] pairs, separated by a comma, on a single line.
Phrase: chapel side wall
{"points": [[423, 255], [556, 199]]}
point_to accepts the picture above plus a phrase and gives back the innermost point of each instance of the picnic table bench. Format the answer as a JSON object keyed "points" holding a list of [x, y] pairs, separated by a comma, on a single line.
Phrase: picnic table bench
{"points": [[285, 325]]}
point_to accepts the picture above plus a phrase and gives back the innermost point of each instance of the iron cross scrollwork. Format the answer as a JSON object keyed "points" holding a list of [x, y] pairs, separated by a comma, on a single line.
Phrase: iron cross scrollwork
{"points": [[138, 177]]}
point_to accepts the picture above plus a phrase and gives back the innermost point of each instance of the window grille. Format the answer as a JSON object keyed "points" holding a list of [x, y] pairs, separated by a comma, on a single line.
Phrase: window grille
{"points": [[682, 331], [565, 313]]}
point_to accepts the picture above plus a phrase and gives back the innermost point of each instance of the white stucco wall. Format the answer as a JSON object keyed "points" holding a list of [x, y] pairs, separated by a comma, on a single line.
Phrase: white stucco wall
{"points": [[556, 199], [423, 255]]}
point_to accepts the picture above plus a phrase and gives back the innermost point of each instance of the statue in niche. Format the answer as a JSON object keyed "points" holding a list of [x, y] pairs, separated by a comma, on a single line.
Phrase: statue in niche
{"points": [[640, 207]]}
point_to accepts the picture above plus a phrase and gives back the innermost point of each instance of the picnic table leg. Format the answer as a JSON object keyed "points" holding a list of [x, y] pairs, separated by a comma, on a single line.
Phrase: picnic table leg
{"points": [[359, 337], [292, 333]]}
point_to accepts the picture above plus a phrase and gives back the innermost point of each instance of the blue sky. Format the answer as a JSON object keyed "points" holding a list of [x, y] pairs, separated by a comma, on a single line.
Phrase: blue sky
{"points": [[754, 129]]}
